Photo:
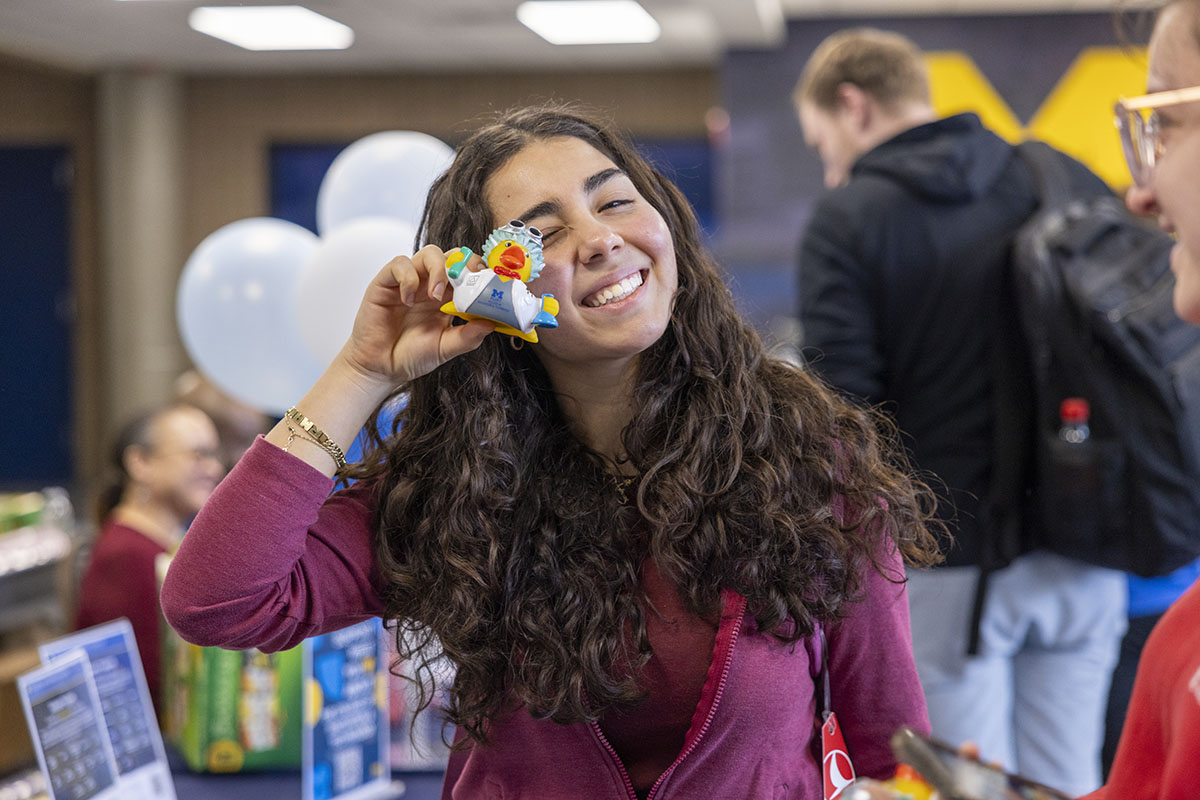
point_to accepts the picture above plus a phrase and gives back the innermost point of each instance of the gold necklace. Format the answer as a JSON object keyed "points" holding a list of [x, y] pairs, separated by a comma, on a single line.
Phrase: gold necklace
{"points": [[622, 485]]}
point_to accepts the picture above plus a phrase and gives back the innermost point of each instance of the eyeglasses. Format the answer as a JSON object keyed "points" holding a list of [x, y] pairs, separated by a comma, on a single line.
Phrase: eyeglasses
{"points": [[193, 454], [1141, 131]]}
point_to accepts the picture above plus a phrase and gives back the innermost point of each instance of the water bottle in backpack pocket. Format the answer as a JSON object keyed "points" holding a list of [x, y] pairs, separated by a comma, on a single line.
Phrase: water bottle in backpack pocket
{"points": [[1092, 291], [1082, 502]]}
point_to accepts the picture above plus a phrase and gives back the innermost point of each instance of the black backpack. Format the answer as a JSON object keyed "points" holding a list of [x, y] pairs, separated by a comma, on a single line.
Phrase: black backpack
{"points": [[1093, 289]]}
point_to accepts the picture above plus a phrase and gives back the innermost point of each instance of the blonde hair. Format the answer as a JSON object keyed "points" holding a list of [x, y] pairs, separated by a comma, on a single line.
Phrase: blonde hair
{"points": [[887, 66]]}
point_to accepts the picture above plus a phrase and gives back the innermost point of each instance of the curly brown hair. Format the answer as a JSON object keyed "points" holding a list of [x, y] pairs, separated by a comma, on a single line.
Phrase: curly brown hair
{"points": [[502, 538]]}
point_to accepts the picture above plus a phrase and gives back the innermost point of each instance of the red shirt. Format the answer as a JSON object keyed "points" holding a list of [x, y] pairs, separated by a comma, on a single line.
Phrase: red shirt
{"points": [[1158, 757], [120, 582]]}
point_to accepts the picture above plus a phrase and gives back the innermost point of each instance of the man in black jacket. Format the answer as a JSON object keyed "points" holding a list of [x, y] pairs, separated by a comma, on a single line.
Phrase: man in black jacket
{"points": [[901, 285]]}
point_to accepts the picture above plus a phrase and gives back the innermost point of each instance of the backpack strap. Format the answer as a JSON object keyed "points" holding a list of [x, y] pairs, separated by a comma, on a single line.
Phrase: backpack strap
{"points": [[818, 670], [1001, 517], [1000, 513], [1051, 181], [825, 698]]}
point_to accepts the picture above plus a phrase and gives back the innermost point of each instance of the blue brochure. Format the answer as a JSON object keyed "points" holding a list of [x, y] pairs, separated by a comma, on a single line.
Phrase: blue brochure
{"points": [[66, 724], [125, 700], [345, 754]]}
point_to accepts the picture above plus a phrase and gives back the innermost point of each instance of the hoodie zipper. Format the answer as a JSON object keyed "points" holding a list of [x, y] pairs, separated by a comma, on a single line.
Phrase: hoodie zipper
{"points": [[740, 608], [629, 792]]}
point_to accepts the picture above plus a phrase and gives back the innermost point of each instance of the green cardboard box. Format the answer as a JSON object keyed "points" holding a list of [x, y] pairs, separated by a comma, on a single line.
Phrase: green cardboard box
{"points": [[232, 710]]}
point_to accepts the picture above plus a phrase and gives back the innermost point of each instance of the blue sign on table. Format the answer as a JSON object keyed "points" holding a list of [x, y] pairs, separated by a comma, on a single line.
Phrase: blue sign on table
{"points": [[62, 708], [346, 734], [125, 701]]}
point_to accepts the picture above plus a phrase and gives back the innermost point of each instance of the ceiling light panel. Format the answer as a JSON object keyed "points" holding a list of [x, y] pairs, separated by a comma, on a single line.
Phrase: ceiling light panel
{"points": [[589, 21], [271, 27]]}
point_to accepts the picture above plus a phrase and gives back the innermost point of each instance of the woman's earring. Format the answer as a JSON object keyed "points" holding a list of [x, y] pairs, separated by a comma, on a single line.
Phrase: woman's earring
{"points": [[515, 343]]}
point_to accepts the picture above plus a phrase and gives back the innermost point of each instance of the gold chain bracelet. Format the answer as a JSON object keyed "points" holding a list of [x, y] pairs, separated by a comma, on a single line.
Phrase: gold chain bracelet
{"points": [[318, 436]]}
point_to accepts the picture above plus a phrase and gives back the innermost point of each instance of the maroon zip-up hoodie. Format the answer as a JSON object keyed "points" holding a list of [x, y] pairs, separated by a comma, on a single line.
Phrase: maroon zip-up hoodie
{"points": [[270, 561]]}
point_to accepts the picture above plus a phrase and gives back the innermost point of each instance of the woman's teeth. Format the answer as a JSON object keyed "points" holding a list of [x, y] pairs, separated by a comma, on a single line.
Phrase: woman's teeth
{"points": [[618, 291]]}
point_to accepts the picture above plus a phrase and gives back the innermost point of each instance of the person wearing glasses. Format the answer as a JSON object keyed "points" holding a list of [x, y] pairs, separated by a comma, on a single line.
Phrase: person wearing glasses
{"points": [[1160, 135], [1158, 755], [901, 276], [1145, 125], [166, 463]]}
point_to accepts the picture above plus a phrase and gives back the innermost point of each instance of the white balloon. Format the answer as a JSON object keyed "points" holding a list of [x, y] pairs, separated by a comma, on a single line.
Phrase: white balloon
{"points": [[234, 307], [385, 174], [331, 285]]}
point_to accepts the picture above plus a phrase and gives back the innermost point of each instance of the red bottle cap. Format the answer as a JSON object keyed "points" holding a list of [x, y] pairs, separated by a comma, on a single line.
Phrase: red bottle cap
{"points": [[1074, 410]]}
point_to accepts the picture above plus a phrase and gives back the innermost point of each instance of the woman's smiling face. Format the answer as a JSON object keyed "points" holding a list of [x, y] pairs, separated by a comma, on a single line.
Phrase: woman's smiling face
{"points": [[609, 256], [1173, 193]]}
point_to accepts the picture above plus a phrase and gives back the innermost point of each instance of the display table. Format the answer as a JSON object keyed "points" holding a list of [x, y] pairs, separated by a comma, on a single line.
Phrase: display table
{"points": [[286, 786], [280, 785]]}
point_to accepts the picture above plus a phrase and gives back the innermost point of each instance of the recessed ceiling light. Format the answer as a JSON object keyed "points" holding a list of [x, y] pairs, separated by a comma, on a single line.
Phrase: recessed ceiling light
{"points": [[589, 21], [271, 27]]}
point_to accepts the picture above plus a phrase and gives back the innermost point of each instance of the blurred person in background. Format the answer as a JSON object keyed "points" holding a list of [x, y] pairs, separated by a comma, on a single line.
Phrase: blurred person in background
{"points": [[900, 275], [237, 423], [167, 464]]}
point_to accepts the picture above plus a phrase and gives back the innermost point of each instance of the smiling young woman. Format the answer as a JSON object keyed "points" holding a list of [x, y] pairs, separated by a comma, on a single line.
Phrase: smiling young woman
{"points": [[624, 536], [608, 251]]}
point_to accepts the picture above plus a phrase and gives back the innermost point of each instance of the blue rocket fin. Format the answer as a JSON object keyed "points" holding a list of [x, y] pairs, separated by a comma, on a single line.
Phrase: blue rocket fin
{"points": [[545, 317]]}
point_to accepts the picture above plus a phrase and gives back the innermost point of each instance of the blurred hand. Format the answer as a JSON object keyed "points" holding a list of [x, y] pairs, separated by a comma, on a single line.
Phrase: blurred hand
{"points": [[969, 749]]}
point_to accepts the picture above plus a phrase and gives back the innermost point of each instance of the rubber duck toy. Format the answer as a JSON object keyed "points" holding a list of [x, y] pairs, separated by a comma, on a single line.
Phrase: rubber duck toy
{"points": [[513, 255]]}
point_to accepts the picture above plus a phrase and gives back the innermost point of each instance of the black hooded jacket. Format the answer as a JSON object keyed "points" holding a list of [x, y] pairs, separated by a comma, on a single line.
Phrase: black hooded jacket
{"points": [[901, 281]]}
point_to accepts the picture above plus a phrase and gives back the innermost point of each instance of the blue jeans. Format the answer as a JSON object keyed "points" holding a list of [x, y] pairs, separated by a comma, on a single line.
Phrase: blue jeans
{"points": [[1034, 697]]}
